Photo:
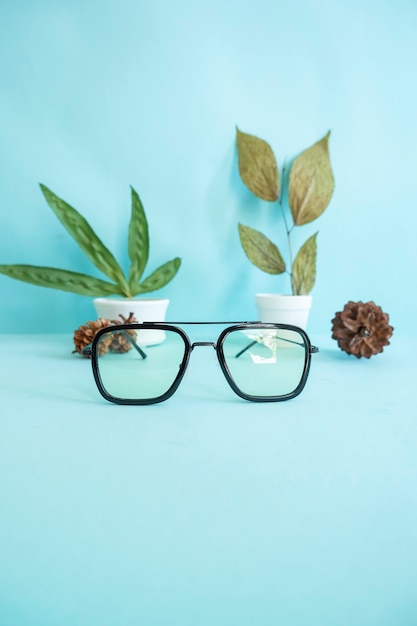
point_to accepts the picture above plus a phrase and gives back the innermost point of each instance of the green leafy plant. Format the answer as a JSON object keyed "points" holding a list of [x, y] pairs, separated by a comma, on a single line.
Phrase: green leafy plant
{"points": [[123, 285], [310, 188]]}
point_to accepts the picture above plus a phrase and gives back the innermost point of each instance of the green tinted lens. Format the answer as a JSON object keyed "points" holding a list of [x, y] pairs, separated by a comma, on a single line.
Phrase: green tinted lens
{"points": [[265, 362], [132, 366]]}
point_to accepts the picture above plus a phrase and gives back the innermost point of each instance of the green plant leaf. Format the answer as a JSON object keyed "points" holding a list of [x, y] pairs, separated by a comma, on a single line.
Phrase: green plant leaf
{"points": [[257, 166], [60, 279], [138, 241], [90, 244], [159, 278], [311, 183], [261, 251], [304, 267]]}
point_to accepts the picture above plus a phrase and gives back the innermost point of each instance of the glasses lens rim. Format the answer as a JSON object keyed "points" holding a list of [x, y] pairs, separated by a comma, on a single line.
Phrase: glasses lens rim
{"points": [[139, 326], [267, 326], [188, 346]]}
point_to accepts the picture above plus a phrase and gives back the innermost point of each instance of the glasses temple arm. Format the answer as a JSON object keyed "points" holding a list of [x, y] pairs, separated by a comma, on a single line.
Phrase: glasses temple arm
{"points": [[252, 343], [134, 344], [87, 350], [313, 349]]}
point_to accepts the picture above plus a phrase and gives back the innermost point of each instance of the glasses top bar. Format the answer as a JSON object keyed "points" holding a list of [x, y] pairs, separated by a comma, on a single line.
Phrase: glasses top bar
{"points": [[201, 323], [313, 349]]}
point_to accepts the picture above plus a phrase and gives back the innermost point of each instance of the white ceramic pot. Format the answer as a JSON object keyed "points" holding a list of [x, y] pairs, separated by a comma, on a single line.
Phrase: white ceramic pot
{"points": [[144, 310], [283, 309]]}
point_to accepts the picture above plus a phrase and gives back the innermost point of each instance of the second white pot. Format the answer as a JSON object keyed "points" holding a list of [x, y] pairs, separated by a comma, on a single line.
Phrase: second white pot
{"points": [[281, 309]]}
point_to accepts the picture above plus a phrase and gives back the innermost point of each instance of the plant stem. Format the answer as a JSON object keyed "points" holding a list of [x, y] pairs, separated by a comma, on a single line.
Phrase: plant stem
{"points": [[288, 230]]}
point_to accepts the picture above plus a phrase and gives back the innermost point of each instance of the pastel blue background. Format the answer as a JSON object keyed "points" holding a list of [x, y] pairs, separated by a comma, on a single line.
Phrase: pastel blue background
{"points": [[96, 96], [207, 510]]}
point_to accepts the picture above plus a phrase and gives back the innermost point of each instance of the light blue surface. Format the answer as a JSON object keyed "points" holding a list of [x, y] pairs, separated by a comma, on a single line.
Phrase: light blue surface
{"points": [[207, 509], [98, 95]]}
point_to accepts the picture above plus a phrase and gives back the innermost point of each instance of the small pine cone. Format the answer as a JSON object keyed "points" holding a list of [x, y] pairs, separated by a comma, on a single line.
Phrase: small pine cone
{"points": [[125, 320], [361, 329], [120, 343], [85, 334]]}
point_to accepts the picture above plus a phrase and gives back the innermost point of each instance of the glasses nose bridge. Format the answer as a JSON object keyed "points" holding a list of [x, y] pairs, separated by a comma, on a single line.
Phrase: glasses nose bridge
{"points": [[196, 344]]}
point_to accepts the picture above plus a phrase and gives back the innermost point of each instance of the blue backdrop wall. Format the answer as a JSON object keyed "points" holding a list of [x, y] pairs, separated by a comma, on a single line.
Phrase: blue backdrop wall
{"points": [[99, 95]]}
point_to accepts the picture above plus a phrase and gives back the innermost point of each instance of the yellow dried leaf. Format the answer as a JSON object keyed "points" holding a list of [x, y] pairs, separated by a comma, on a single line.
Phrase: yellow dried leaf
{"points": [[261, 251], [304, 267], [257, 166], [311, 183]]}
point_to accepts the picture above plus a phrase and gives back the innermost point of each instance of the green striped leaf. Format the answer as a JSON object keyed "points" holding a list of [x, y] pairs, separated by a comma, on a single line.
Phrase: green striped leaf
{"points": [[60, 279], [138, 241], [159, 278], [83, 234]]}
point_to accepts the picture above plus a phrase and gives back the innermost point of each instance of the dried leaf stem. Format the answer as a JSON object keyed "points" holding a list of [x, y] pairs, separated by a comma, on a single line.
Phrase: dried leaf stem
{"points": [[287, 229]]}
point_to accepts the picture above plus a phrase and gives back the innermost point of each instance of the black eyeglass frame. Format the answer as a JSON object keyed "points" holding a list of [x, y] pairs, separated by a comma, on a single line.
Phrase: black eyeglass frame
{"points": [[92, 350]]}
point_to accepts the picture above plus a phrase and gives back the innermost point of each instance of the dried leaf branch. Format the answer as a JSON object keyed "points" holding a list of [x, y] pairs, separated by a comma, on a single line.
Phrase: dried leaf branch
{"points": [[311, 185]]}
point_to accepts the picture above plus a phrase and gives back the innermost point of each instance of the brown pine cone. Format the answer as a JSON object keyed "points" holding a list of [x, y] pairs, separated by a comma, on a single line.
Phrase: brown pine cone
{"points": [[120, 341], [85, 334], [361, 329]]}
